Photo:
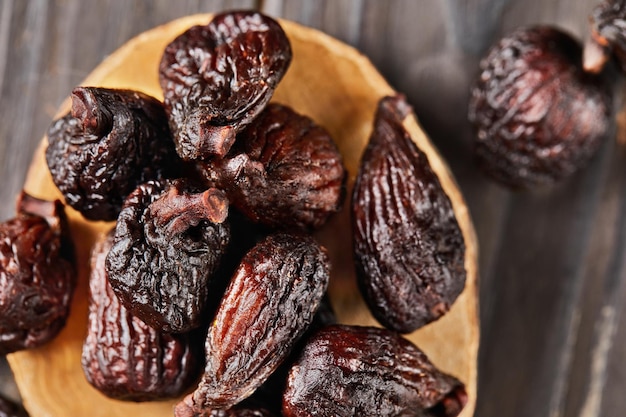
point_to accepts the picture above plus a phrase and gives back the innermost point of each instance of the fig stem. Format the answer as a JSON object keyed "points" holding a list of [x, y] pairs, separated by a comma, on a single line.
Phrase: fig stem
{"points": [[395, 106], [49, 210], [451, 405], [185, 408], [178, 212], [216, 140], [595, 55], [86, 107]]}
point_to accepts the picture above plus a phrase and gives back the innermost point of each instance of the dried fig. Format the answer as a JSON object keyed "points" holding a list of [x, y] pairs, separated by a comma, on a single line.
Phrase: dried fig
{"points": [[112, 141], [284, 171], [122, 356], [169, 240], [217, 78], [347, 371], [268, 305], [37, 275], [538, 116], [408, 247]]}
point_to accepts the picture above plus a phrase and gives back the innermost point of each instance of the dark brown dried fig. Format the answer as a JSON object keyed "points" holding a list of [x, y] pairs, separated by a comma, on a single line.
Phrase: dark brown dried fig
{"points": [[237, 411], [112, 141], [270, 393], [284, 171], [169, 240], [347, 371], [538, 116], [268, 305], [408, 248], [217, 78], [122, 356], [37, 276]]}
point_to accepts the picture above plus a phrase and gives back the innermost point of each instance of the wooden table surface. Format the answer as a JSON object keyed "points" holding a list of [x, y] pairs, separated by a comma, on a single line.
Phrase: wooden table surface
{"points": [[552, 271]]}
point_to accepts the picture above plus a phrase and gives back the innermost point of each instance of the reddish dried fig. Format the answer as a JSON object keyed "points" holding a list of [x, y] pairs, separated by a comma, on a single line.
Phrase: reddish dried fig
{"points": [[217, 78], [270, 394], [284, 171], [538, 116], [122, 356], [268, 305], [347, 371], [37, 277], [408, 247]]}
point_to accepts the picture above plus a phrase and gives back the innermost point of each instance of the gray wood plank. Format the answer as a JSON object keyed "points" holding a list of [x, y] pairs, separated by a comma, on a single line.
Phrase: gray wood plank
{"points": [[538, 276], [602, 306], [23, 70], [472, 24], [341, 19]]}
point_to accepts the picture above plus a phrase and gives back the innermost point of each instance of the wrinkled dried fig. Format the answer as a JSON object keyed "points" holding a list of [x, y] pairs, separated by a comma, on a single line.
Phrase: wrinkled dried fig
{"points": [[111, 141], [347, 371], [284, 171], [37, 276], [538, 116], [122, 356], [408, 248], [217, 78], [268, 305], [169, 240]]}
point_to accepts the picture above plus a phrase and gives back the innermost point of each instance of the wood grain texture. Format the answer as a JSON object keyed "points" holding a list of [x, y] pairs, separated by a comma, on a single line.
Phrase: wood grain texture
{"points": [[340, 92], [552, 309]]}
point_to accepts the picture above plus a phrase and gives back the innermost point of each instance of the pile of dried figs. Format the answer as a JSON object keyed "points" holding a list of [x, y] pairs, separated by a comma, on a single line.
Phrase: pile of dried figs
{"points": [[542, 104], [211, 286]]}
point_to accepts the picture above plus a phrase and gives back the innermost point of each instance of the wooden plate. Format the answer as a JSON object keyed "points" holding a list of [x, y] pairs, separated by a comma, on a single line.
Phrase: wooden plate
{"points": [[339, 88]]}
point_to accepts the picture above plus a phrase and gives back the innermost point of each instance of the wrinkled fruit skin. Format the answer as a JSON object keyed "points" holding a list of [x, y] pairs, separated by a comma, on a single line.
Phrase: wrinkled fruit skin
{"points": [[408, 248], [37, 276], [169, 240], [268, 305], [123, 357], [238, 411], [284, 171], [270, 393], [112, 141], [241, 412], [538, 117], [607, 27], [217, 78], [349, 371]]}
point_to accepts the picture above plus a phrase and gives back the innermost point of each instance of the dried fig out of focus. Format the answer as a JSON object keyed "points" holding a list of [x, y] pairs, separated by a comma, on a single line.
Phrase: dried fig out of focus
{"points": [[122, 356], [111, 141], [284, 171], [538, 116], [217, 78], [270, 302], [347, 371], [37, 276], [608, 35], [169, 240], [408, 248]]}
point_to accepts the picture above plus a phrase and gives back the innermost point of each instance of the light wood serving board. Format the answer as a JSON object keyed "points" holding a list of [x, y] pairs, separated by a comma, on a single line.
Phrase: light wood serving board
{"points": [[338, 88]]}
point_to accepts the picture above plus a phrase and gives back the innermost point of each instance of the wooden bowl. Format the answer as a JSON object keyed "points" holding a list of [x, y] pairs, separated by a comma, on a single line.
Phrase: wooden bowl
{"points": [[337, 87]]}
